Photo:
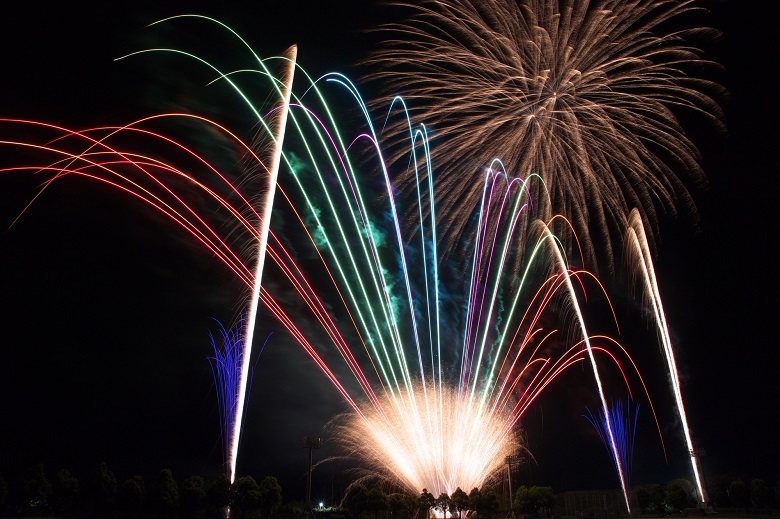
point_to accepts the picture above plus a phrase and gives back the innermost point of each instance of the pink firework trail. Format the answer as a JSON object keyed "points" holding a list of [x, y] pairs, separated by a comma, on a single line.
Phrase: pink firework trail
{"points": [[518, 371], [436, 395]]}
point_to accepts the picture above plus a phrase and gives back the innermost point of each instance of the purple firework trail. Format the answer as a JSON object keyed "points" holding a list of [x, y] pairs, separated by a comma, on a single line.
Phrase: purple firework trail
{"points": [[623, 426], [226, 365]]}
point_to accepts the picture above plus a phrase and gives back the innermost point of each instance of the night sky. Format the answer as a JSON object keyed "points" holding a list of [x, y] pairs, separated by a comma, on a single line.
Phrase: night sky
{"points": [[106, 310]]}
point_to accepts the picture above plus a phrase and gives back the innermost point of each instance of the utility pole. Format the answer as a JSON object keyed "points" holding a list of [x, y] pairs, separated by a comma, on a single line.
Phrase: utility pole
{"points": [[513, 459], [310, 443]]}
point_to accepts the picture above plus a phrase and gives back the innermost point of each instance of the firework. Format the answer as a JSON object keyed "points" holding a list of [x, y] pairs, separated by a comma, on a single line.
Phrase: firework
{"points": [[585, 93], [284, 92], [227, 364], [392, 342], [623, 425], [226, 367], [401, 347], [639, 252]]}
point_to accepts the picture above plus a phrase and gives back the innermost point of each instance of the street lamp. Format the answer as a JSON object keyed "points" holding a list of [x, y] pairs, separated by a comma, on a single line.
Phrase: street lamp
{"points": [[513, 459], [310, 443]]}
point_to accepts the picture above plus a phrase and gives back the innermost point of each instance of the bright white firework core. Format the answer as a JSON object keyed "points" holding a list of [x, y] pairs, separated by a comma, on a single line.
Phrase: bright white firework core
{"points": [[436, 439]]}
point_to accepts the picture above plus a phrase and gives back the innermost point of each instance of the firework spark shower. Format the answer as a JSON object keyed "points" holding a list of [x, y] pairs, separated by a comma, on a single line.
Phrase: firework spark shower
{"points": [[682, 344], [378, 296], [585, 93]]}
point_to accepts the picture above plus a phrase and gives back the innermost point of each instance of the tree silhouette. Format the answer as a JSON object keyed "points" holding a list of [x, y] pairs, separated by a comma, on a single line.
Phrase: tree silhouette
{"points": [[270, 495], [474, 498], [376, 500], [675, 496], [355, 499], [164, 494], [104, 489], [739, 493], [487, 503], [396, 502], [460, 501], [650, 498], [131, 496], [759, 493], [37, 489], [534, 500], [426, 502], [64, 492], [444, 503], [192, 496], [245, 495], [218, 494]]}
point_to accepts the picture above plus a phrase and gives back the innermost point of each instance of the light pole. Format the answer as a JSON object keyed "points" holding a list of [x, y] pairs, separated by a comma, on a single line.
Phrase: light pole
{"points": [[513, 459], [310, 443]]}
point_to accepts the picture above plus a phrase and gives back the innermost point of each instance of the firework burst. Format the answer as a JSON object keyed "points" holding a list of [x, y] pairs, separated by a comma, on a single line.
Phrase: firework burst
{"points": [[457, 371], [584, 93]]}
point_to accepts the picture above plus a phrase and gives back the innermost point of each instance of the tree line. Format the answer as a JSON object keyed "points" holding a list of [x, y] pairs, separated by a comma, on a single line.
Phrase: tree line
{"points": [[102, 496], [373, 502], [739, 493], [727, 493]]}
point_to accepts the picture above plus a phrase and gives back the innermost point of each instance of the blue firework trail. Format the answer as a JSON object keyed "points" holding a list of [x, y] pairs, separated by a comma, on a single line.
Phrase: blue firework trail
{"points": [[226, 369], [623, 426]]}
